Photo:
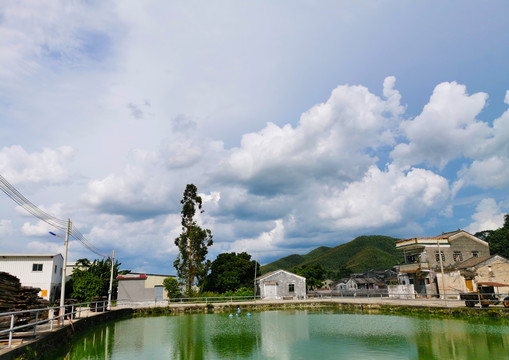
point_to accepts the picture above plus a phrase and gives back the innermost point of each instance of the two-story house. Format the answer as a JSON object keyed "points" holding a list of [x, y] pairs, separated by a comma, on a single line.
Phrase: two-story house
{"points": [[43, 271], [427, 257]]}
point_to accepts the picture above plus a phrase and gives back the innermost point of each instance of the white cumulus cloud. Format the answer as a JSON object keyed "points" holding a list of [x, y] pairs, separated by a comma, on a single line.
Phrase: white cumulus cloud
{"points": [[385, 197], [49, 165], [446, 129], [487, 217], [330, 141]]}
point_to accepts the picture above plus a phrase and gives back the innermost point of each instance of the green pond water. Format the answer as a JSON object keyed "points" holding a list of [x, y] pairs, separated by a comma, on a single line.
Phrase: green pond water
{"points": [[314, 335]]}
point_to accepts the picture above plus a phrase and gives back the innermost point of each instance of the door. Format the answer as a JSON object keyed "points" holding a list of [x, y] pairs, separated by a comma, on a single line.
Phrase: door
{"points": [[468, 283], [159, 292], [270, 291]]}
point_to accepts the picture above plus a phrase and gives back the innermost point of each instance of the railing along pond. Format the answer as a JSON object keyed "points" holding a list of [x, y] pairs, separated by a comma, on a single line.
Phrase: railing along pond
{"points": [[183, 300], [20, 320]]}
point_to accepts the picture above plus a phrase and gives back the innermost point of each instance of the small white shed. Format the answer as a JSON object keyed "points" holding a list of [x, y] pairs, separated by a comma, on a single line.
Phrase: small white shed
{"points": [[281, 285]]}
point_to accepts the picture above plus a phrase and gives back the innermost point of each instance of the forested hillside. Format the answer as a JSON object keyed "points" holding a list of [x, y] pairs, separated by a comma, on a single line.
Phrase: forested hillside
{"points": [[362, 253]]}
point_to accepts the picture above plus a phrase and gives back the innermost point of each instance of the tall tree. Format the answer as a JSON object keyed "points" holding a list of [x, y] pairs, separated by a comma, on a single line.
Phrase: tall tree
{"points": [[193, 242], [230, 272], [498, 239]]}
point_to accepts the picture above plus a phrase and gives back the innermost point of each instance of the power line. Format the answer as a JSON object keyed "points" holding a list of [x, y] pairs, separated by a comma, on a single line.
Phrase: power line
{"points": [[59, 224]]}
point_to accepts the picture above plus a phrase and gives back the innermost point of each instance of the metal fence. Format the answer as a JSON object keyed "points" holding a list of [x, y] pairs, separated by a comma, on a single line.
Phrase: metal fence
{"points": [[383, 296], [191, 300], [21, 321]]}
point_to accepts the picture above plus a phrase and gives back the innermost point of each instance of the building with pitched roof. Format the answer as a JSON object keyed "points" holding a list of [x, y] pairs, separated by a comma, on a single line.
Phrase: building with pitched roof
{"points": [[429, 256], [281, 285]]}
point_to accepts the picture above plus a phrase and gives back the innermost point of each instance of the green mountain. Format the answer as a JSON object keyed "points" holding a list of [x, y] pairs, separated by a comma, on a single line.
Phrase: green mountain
{"points": [[361, 254], [291, 261]]}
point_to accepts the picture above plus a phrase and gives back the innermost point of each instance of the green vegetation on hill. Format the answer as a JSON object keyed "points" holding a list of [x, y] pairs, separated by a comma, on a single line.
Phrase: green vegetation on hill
{"points": [[371, 258], [292, 261], [361, 254]]}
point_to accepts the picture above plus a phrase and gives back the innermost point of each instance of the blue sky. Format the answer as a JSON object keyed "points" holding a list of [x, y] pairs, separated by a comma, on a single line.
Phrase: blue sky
{"points": [[302, 123]]}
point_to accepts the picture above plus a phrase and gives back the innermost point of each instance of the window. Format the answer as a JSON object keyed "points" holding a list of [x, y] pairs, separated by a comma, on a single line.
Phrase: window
{"points": [[475, 253], [411, 281], [291, 288], [427, 281], [457, 256], [55, 269], [437, 256], [37, 267]]}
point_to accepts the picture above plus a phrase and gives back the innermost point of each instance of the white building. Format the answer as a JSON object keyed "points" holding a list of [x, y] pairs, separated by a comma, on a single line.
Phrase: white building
{"points": [[42, 271], [281, 285]]}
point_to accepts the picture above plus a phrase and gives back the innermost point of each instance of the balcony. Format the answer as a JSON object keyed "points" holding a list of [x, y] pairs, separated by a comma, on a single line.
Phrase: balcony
{"points": [[407, 268], [419, 243]]}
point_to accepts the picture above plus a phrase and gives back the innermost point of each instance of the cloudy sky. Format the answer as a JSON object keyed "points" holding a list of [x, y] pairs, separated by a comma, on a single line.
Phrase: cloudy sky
{"points": [[302, 123]]}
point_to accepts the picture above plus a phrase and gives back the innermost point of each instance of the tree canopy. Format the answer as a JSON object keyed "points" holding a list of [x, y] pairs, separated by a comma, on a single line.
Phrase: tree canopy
{"points": [[230, 272], [191, 264], [171, 285], [498, 239], [314, 275], [91, 279]]}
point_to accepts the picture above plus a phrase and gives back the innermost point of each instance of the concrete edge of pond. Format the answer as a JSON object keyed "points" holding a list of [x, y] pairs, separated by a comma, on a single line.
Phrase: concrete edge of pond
{"points": [[47, 341], [422, 307]]}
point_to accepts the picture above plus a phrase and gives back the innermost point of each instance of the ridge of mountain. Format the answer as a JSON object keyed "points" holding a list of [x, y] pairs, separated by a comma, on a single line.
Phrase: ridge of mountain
{"points": [[360, 254]]}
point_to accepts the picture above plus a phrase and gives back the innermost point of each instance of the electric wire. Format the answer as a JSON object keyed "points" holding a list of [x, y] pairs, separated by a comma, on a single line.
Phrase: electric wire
{"points": [[59, 224]]}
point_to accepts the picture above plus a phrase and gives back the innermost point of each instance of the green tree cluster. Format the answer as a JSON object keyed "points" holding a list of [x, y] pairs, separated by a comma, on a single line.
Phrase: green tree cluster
{"points": [[340, 273], [172, 287], [314, 275], [191, 264], [231, 272], [91, 279], [498, 239]]}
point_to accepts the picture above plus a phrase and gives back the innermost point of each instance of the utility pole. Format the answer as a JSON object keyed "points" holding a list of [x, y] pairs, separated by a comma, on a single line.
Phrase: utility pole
{"points": [[441, 266], [66, 245], [111, 278], [256, 265]]}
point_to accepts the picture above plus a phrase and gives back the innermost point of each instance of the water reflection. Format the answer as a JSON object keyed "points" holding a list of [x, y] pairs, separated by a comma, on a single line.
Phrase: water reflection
{"points": [[189, 338], [236, 337], [280, 332], [293, 335], [455, 339]]}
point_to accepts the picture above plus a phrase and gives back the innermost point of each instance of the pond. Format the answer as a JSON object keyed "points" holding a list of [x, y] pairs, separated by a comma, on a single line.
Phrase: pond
{"points": [[292, 335]]}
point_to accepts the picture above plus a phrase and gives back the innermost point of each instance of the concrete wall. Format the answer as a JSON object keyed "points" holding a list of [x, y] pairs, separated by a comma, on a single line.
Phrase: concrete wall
{"points": [[140, 290], [401, 291], [276, 286], [496, 270], [453, 282], [134, 290]]}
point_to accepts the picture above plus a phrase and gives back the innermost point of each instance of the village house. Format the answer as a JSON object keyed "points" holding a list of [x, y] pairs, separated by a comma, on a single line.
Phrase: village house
{"points": [[466, 275], [43, 271], [427, 258], [281, 285], [141, 288]]}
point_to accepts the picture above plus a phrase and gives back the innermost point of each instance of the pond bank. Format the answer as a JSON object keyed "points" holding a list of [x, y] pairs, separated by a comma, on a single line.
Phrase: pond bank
{"points": [[431, 308], [49, 340]]}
